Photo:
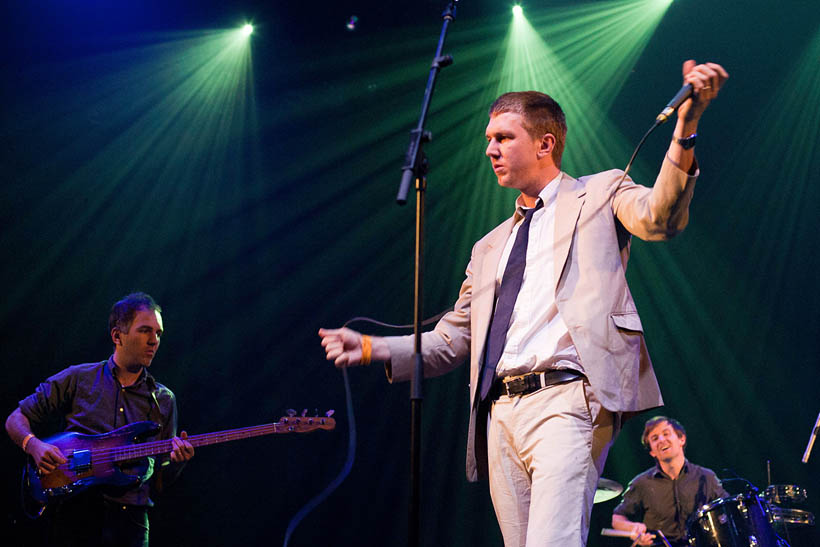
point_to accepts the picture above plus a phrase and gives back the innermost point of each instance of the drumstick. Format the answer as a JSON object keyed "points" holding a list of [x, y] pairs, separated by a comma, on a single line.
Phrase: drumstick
{"points": [[665, 541], [611, 532], [807, 453]]}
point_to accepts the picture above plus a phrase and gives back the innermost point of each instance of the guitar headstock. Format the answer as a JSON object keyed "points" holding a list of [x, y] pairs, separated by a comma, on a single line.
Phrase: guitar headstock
{"points": [[303, 423]]}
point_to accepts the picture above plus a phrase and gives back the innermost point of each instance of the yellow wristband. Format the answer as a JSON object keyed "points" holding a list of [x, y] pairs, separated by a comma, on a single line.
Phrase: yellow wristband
{"points": [[367, 349], [26, 440]]}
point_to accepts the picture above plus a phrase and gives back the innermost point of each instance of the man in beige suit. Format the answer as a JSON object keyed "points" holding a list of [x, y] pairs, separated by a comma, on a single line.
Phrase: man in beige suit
{"points": [[548, 395]]}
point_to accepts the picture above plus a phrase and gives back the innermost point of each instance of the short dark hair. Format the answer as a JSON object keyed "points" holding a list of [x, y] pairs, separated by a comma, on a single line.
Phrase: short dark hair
{"points": [[542, 114], [123, 312], [651, 423]]}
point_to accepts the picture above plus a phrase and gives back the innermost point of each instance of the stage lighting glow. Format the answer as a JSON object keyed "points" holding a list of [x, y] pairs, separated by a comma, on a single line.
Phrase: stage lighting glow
{"points": [[518, 11], [352, 23], [247, 29]]}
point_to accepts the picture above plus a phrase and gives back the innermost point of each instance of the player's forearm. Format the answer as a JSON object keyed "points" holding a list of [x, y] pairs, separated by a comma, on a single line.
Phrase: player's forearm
{"points": [[620, 522], [18, 427], [680, 156], [381, 351]]}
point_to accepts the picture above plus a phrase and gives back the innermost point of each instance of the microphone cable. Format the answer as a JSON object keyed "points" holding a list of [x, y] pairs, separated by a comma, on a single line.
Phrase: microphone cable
{"points": [[657, 123], [351, 444]]}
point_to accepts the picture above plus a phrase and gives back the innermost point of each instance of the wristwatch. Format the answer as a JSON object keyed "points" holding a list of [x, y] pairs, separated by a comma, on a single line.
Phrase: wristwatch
{"points": [[687, 142]]}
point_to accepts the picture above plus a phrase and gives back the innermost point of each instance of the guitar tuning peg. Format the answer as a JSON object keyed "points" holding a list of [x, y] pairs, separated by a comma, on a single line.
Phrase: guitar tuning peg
{"points": [[330, 413], [291, 412], [304, 412]]}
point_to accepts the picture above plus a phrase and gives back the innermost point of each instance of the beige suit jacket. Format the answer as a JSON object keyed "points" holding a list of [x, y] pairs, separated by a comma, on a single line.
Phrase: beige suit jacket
{"points": [[594, 218]]}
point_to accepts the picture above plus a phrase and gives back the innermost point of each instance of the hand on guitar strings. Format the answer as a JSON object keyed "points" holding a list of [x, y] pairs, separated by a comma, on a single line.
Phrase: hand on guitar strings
{"points": [[47, 457], [183, 450]]}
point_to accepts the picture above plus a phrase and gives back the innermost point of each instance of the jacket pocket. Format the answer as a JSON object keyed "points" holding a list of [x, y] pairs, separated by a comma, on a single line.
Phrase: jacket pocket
{"points": [[627, 321]]}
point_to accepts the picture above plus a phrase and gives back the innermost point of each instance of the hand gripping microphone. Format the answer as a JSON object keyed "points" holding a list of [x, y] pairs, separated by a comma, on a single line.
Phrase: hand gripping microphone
{"points": [[684, 93]]}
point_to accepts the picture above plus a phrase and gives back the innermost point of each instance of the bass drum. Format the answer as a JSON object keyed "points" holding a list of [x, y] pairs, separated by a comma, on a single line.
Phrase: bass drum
{"points": [[740, 521]]}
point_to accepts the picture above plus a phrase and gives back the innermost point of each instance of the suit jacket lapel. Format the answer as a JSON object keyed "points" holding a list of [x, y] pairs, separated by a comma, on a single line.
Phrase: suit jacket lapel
{"points": [[567, 209], [486, 268]]}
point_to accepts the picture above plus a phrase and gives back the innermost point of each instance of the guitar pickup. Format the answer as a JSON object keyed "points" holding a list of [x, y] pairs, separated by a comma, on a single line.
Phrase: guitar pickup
{"points": [[80, 461]]}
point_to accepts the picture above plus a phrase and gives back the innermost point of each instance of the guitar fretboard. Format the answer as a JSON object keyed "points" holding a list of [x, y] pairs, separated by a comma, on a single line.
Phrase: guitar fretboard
{"points": [[296, 424]]}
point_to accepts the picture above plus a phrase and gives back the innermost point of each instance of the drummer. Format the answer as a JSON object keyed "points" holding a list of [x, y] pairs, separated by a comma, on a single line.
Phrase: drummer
{"points": [[666, 495]]}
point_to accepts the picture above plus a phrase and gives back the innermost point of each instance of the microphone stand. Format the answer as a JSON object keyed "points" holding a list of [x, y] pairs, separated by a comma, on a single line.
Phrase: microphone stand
{"points": [[415, 168]]}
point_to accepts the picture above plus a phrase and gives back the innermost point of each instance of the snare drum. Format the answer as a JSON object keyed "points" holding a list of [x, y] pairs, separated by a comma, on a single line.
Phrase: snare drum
{"points": [[733, 522], [785, 494]]}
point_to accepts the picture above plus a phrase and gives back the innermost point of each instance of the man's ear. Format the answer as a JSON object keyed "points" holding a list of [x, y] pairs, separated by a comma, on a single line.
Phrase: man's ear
{"points": [[547, 145], [115, 336]]}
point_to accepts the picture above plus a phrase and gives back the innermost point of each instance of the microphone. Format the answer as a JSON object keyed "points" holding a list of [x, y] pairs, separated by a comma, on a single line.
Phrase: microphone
{"points": [[684, 93]]}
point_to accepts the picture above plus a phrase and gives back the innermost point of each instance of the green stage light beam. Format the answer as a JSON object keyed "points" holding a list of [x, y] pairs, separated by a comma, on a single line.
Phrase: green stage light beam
{"points": [[168, 125], [530, 63], [785, 130], [600, 43]]}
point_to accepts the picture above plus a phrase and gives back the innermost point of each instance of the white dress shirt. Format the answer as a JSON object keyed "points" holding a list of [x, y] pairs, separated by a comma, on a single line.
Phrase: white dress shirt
{"points": [[537, 338]]}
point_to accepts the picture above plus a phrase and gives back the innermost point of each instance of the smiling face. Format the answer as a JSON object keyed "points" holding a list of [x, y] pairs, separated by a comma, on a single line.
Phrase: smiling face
{"points": [[136, 346], [665, 444]]}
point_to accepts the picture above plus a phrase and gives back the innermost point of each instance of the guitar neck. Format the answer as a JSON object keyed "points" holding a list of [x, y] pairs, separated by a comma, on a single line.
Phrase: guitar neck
{"points": [[286, 425]]}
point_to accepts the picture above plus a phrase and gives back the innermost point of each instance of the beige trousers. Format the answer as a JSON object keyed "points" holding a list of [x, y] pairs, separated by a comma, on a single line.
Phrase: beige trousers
{"points": [[546, 452]]}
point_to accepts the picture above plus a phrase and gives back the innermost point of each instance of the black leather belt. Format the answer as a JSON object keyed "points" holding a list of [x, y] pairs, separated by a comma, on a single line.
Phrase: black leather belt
{"points": [[533, 381]]}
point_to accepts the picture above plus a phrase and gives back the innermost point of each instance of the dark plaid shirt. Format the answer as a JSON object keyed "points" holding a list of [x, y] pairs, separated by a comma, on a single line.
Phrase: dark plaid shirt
{"points": [[665, 504], [91, 400]]}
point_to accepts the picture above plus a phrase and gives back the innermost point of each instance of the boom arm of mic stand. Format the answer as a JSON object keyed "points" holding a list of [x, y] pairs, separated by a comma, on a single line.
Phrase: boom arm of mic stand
{"points": [[412, 162]]}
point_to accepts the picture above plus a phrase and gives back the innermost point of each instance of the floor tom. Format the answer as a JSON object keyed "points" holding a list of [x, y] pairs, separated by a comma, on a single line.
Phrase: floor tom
{"points": [[739, 521]]}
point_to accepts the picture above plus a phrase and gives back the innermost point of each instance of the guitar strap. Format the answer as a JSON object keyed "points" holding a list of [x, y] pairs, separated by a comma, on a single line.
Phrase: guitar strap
{"points": [[154, 414]]}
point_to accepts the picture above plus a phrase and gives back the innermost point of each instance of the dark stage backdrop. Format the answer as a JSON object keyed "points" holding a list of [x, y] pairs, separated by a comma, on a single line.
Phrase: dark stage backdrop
{"points": [[249, 187]]}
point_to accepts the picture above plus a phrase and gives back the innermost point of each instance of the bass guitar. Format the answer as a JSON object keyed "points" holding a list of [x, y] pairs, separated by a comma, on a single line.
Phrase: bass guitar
{"points": [[99, 460]]}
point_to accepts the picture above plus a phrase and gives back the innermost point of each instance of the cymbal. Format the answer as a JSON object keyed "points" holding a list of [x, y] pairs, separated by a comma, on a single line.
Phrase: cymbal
{"points": [[607, 489]]}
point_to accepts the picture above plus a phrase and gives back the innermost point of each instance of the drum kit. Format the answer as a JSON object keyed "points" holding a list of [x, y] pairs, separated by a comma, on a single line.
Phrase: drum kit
{"points": [[764, 519], [772, 518], [750, 519]]}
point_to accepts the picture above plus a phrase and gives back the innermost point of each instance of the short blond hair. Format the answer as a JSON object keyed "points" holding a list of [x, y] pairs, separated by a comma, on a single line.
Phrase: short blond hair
{"points": [[542, 114]]}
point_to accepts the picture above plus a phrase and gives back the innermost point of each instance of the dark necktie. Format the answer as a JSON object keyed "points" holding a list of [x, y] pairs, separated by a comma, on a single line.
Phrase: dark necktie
{"points": [[507, 294]]}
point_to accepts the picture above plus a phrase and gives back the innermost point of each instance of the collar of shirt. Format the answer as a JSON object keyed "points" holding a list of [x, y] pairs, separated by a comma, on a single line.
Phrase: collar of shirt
{"points": [[547, 196], [144, 376], [659, 473]]}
